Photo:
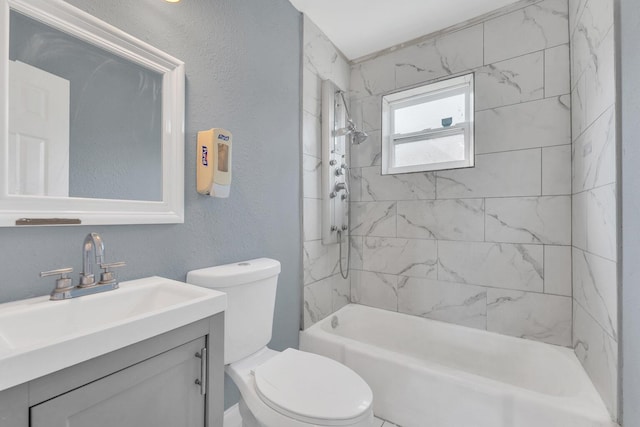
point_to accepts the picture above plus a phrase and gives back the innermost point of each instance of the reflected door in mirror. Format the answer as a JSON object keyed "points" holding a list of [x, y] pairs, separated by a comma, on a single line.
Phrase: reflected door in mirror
{"points": [[38, 132]]}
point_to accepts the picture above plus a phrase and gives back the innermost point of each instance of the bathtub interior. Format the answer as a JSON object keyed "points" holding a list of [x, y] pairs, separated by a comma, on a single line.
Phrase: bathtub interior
{"points": [[522, 363], [488, 371]]}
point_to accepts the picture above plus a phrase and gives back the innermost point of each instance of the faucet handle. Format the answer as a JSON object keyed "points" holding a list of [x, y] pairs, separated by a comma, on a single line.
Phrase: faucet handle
{"points": [[63, 284], [61, 271], [106, 266], [107, 276]]}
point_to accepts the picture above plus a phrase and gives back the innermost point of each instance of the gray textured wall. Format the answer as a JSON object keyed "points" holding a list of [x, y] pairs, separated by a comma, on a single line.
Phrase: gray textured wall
{"points": [[243, 73], [628, 21]]}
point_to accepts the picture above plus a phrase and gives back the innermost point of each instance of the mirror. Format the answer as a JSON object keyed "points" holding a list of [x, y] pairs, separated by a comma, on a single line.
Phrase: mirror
{"points": [[70, 103], [92, 128]]}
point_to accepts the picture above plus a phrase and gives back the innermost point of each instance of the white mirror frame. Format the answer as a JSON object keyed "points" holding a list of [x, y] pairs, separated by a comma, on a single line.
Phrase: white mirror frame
{"points": [[57, 210]]}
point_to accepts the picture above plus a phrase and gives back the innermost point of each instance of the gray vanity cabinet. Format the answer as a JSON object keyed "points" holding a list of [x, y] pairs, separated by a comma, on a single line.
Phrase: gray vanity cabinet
{"points": [[159, 392], [148, 384]]}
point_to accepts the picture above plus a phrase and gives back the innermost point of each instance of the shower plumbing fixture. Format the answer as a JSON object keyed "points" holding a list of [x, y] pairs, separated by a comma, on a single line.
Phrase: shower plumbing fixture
{"points": [[340, 186], [357, 136], [339, 134]]}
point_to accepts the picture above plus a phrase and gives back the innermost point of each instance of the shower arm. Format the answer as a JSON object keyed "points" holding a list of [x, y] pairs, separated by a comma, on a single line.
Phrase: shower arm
{"points": [[344, 102]]}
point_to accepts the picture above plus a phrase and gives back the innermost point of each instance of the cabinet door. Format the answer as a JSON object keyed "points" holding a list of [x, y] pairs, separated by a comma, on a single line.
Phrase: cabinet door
{"points": [[158, 392]]}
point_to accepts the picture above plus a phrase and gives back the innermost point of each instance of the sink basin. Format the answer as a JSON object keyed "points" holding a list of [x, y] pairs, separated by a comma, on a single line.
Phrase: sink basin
{"points": [[39, 336]]}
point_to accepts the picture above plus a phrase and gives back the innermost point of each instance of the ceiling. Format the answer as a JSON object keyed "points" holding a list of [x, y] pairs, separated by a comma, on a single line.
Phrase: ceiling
{"points": [[361, 27]]}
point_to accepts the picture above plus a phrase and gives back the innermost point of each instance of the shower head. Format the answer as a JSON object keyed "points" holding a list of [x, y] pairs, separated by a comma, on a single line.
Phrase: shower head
{"points": [[358, 137], [347, 130]]}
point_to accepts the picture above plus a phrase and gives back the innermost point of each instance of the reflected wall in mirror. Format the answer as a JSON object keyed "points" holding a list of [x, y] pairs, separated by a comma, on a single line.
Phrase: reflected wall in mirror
{"points": [[95, 127], [83, 122]]}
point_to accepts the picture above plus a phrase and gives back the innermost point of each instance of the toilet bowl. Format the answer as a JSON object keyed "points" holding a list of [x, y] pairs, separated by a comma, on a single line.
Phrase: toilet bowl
{"points": [[291, 388], [298, 389]]}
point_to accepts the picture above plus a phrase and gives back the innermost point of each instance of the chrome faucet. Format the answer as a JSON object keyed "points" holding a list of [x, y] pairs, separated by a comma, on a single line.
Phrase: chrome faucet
{"points": [[93, 241], [64, 288]]}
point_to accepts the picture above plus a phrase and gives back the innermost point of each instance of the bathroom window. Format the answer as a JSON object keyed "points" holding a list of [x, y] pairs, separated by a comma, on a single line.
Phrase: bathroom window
{"points": [[429, 127]]}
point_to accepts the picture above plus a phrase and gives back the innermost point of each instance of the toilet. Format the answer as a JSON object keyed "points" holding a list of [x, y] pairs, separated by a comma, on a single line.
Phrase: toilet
{"points": [[291, 388]]}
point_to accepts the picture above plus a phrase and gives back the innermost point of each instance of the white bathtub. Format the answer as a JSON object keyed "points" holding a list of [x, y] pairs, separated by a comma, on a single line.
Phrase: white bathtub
{"points": [[425, 373]]}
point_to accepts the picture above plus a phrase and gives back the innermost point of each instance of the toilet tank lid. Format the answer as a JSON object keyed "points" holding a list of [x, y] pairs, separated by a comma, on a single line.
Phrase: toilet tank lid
{"points": [[233, 274]]}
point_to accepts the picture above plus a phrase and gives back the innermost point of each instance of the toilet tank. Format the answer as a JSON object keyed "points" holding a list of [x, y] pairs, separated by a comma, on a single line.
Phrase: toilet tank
{"points": [[251, 294]]}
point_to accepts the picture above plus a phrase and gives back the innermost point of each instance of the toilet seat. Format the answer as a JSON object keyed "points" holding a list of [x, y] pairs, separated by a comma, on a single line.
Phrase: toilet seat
{"points": [[312, 389]]}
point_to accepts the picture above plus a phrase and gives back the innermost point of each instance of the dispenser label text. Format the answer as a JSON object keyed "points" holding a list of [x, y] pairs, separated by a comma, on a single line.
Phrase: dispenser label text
{"points": [[205, 155]]}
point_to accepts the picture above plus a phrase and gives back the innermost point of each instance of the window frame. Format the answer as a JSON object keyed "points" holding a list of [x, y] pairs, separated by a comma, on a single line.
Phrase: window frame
{"points": [[433, 91]]}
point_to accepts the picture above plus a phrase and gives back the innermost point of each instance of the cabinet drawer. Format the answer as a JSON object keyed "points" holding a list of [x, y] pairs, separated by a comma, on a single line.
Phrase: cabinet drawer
{"points": [[157, 392]]}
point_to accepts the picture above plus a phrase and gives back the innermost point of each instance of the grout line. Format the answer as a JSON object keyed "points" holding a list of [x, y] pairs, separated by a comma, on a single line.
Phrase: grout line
{"points": [[477, 197], [599, 187], [541, 171], [475, 242], [519, 149], [544, 265], [592, 123], [484, 46], [396, 220], [594, 320], [528, 101], [544, 73], [484, 223], [527, 291], [437, 259], [593, 254], [522, 55]]}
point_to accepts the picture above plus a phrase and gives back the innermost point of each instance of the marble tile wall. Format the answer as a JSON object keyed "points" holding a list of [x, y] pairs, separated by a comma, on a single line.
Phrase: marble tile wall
{"points": [[487, 247], [594, 254], [325, 291], [522, 244]]}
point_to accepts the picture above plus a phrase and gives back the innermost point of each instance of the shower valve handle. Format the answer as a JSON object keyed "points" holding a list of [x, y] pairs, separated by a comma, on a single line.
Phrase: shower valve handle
{"points": [[341, 186]]}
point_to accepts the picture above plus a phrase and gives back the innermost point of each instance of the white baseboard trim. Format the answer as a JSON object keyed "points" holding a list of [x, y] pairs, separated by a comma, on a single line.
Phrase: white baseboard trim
{"points": [[232, 417]]}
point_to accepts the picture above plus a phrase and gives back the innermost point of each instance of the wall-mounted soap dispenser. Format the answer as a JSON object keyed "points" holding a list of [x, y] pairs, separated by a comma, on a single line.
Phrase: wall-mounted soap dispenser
{"points": [[213, 159]]}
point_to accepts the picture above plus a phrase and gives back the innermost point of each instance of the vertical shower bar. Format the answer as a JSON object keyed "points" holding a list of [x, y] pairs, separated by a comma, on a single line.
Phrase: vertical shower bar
{"points": [[334, 202]]}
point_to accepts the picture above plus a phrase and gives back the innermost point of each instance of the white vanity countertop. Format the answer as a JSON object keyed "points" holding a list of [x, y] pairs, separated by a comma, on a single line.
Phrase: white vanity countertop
{"points": [[39, 336]]}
